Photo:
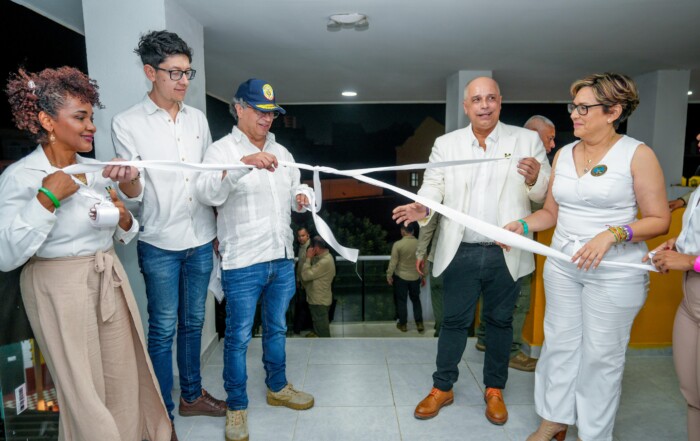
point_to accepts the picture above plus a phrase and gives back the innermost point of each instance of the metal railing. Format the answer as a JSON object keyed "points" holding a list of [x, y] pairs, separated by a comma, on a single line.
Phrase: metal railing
{"points": [[362, 291]]}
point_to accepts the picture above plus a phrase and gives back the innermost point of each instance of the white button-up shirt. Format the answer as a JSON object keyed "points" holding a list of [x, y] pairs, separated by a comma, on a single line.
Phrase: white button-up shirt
{"points": [[171, 216], [483, 201], [254, 206], [27, 228]]}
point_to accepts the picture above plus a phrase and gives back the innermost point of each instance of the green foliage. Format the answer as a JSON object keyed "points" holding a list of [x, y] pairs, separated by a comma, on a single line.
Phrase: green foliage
{"points": [[359, 233]]}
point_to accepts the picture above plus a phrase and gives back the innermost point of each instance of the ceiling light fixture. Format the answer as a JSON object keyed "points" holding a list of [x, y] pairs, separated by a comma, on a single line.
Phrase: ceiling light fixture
{"points": [[348, 20], [349, 93]]}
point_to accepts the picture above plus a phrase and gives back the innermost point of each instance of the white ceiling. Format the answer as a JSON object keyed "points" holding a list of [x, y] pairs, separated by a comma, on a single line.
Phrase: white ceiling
{"points": [[535, 48]]}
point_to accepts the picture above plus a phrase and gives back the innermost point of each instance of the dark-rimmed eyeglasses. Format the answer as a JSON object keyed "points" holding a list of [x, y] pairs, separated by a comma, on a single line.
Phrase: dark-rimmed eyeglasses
{"points": [[260, 114], [582, 109], [176, 74]]}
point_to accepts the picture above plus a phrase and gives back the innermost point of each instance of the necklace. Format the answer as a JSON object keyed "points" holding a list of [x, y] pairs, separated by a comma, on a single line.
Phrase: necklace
{"points": [[587, 162], [81, 177]]}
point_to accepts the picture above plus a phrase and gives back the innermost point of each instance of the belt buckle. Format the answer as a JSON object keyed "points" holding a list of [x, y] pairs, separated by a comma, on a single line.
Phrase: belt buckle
{"points": [[486, 244]]}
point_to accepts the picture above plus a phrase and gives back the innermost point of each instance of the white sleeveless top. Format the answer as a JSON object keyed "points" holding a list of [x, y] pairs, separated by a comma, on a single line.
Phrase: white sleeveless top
{"points": [[603, 196]]}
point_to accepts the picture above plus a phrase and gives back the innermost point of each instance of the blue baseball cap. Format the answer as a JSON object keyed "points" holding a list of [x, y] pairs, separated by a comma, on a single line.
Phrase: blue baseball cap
{"points": [[259, 94]]}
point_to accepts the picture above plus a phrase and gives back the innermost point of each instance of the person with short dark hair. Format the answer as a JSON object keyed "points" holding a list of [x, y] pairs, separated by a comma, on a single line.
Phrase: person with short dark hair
{"points": [[318, 272], [177, 231], [75, 291], [598, 185], [302, 313], [403, 276], [257, 256]]}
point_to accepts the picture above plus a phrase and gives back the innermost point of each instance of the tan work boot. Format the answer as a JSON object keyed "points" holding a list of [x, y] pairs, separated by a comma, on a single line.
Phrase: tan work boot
{"points": [[290, 397], [523, 363], [548, 431], [236, 425]]}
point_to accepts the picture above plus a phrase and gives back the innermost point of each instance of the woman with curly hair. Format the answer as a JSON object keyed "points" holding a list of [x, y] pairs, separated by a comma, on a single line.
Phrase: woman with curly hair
{"points": [[75, 290], [597, 186]]}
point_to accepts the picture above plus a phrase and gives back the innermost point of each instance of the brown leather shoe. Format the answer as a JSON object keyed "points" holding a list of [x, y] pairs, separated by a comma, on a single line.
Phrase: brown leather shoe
{"points": [[496, 411], [205, 405], [173, 435], [401, 327], [523, 363], [431, 405], [420, 327]]}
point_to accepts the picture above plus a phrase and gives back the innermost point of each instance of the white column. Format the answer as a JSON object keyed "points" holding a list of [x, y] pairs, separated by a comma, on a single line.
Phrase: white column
{"points": [[660, 120], [454, 97], [112, 32]]}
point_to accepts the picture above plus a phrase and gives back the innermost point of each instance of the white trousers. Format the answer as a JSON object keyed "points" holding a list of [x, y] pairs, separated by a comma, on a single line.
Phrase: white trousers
{"points": [[587, 323]]}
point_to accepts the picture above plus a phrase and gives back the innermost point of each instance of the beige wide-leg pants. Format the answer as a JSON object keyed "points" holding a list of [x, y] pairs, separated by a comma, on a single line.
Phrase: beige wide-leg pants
{"points": [[686, 350], [86, 322]]}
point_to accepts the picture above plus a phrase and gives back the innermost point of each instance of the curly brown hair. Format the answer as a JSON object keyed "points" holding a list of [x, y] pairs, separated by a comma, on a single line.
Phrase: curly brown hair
{"points": [[30, 93], [610, 89]]}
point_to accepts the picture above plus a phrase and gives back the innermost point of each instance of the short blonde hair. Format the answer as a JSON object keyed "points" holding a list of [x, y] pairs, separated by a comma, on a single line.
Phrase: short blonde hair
{"points": [[610, 89]]}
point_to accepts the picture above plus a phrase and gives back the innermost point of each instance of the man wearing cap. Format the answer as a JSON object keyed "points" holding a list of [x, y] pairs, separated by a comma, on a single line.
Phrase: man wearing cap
{"points": [[175, 240], [255, 243]]}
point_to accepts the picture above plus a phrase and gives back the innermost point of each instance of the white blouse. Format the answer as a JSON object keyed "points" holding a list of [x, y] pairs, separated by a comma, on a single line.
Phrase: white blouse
{"points": [[28, 229]]}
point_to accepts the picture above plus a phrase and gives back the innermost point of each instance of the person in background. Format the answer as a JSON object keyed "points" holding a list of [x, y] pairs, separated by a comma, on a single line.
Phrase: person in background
{"points": [[403, 276], [177, 231], [518, 359], [76, 293], [318, 272], [302, 315], [428, 236], [545, 128], [598, 185]]}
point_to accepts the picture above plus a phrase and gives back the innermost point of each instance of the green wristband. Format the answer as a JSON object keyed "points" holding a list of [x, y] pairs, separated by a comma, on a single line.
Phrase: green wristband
{"points": [[525, 227], [54, 199]]}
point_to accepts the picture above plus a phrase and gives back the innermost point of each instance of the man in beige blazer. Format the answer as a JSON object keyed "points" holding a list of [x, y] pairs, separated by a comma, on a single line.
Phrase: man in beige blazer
{"points": [[495, 192]]}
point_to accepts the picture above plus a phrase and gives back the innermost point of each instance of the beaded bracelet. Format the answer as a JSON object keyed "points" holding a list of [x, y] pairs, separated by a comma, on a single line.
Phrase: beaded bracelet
{"points": [[696, 266], [629, 231], [54, 199], [620, 233], [526, 229]]}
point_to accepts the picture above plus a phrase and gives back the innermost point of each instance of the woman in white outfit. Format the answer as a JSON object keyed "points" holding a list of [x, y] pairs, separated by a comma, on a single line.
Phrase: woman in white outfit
{"points": [[596, 186], [683, 254], [75, 291]]}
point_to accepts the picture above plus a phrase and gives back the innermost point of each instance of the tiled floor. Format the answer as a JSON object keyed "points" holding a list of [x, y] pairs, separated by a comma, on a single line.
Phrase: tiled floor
{"points": [[367, 389]]}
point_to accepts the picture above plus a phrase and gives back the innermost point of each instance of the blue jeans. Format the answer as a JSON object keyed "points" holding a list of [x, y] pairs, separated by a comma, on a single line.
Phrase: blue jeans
{"points": [[176, 287], [274, 281], [474, 270]]}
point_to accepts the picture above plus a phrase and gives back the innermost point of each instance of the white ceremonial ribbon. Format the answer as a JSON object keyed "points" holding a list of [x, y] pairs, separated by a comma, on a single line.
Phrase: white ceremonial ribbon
{"points": [[495, 233]]}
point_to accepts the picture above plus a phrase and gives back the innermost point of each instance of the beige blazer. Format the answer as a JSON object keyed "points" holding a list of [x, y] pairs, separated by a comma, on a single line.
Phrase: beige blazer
{"points": [[450, 186]]}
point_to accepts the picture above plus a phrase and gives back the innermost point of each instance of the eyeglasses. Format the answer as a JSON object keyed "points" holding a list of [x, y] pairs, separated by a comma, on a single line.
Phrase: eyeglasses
{"points": [[260, 114], [582, 109], [176, 74]]}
